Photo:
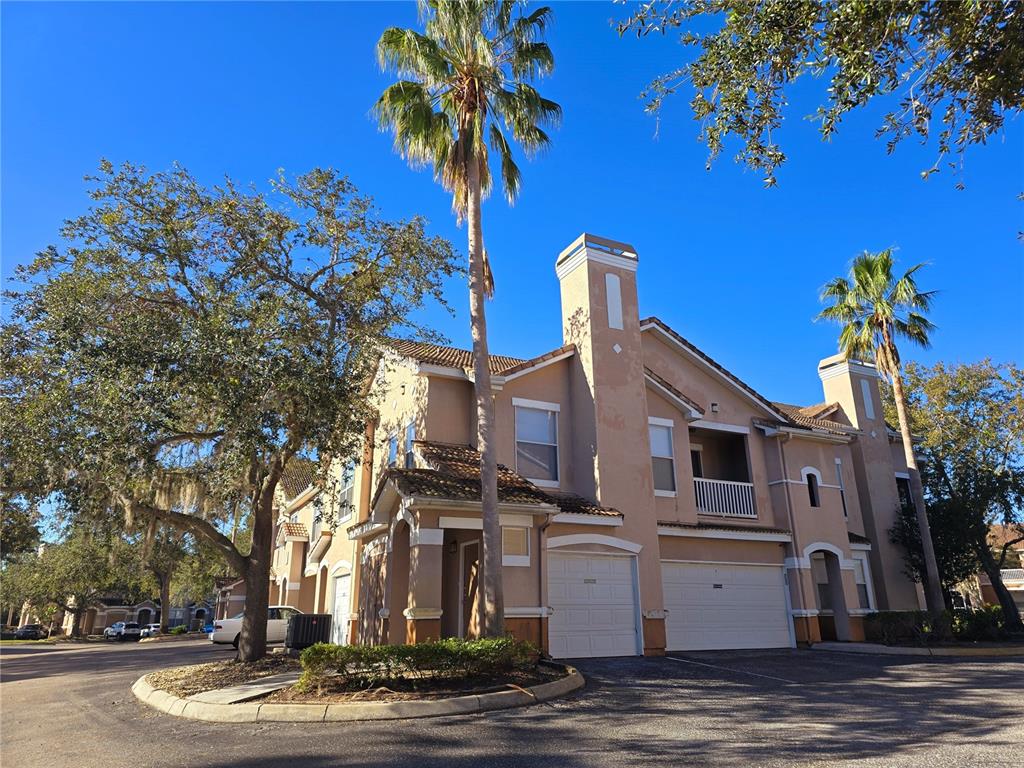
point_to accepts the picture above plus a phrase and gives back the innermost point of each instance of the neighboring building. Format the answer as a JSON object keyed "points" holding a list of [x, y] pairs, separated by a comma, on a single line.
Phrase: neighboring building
{"points": [[113, 609], [649, 498], [1013, 577]]}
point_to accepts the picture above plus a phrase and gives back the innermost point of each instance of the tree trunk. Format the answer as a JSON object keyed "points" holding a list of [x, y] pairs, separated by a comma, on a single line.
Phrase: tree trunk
{"points": [[76, 622], [1011, 614], [252, 644], [933, 584], [10, 615], [165, 601], [493, 603]]}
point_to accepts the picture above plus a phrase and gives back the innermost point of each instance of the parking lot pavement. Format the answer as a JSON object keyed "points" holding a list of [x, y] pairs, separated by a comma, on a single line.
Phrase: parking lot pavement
{"points": [[769, 708]]}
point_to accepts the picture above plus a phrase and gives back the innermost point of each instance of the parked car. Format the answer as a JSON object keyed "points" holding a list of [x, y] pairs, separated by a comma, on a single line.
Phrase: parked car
{"points": [[123, 630], [150, 630], [229, 630], [30, 632]]}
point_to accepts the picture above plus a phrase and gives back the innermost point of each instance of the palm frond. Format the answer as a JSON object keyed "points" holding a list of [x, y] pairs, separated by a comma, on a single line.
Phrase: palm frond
{"points": [[510, 176]]}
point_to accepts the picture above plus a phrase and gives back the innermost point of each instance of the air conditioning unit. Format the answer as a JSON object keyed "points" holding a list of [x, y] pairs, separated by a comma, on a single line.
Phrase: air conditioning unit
{"points": [[306, 629]]}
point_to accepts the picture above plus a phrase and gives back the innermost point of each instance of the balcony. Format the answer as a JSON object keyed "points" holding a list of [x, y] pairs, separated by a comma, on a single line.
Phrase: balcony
{"points": [[727, 498], [1013, 578]]}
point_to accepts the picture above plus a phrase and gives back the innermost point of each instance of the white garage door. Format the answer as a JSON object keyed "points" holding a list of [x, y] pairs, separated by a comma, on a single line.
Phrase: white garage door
{"points": [[595, 606], [714, 607], [339, 620]]}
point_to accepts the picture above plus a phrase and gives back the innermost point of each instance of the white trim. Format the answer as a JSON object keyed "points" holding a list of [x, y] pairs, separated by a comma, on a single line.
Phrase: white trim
{"points": [[540, 404], [443, 371], [804, 612], [585, 254], [462, 580], [693, 533], [593, 538], [692, 413], [294, 585], [664, 494], [865, 564], [477, 524], [720, 562], [339, 566], [613, 300], [422, 613], [843, 367], [515, 561], [660, 422], [705, 424], [539, 365], [544, 483], [516, 611], [581, 518], [804, 562], [427, 537], [787, 481], [902, 475], [860, 547], [811, 471]]}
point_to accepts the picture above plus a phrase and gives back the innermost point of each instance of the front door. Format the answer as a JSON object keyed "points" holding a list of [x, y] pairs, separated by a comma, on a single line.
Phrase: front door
{"points": [[469, 609], [339, 620]]}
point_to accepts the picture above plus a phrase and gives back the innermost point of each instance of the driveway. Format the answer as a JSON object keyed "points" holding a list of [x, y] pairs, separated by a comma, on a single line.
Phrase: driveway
{"points": [[72, 707]]}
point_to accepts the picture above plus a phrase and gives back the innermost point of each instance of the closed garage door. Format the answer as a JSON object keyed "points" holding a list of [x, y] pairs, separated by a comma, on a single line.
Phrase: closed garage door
{"points": [[714, 606], [593, 598]]}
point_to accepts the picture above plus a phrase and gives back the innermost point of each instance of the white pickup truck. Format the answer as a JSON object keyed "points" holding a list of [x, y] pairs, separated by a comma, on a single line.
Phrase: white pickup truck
{"points": [[229, 630]]}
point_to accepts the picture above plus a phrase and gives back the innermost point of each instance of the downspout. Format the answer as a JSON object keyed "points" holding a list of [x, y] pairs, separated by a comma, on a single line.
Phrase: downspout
{"points": [[784, 437], [541, 598]]}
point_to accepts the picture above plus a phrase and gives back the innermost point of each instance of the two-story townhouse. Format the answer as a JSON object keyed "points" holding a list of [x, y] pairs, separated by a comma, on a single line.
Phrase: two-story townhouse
{"points": [[649, 498]]}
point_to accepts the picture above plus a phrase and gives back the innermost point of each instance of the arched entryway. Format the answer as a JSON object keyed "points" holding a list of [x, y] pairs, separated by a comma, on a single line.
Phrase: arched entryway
{"points": [[827, 576], [144, 616], [398, 577], [322, 591]]}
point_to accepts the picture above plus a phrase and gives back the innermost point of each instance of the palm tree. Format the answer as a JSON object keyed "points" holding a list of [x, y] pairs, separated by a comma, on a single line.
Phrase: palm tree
{"points": [[465, 90], [875, 310]]}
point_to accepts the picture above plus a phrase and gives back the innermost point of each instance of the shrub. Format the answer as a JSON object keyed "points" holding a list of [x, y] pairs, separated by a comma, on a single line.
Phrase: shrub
{"points": [[983, 624], [181, 629], [891, 627], [363, 666]]}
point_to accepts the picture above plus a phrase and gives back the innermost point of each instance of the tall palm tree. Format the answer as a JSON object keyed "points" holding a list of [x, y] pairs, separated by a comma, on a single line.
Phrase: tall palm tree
{"points": [[875, 310], [466, 90]]}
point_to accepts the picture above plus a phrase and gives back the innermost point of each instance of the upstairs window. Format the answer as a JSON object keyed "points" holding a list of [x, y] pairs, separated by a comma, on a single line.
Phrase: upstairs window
{"points": [[537, 443], [842, 486], [348, 481], [662, 456], [697, 462], [410, 437], [393, 451], [813, 492], [906, 497]]}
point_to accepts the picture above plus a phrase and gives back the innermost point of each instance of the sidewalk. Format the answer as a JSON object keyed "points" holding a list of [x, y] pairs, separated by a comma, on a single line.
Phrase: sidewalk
{"points": [[902, 650]]}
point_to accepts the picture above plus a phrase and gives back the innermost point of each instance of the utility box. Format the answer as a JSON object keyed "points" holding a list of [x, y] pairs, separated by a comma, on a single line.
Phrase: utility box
{"points": [[306, 629]]}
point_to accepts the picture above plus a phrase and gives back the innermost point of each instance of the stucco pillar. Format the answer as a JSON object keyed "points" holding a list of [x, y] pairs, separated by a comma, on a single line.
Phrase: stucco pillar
{"points": [[425, 568], [837, 591]]}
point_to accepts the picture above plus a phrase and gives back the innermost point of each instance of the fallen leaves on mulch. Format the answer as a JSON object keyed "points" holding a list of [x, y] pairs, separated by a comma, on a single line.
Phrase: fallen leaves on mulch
{"points": [[414, 690], [198, 678]]}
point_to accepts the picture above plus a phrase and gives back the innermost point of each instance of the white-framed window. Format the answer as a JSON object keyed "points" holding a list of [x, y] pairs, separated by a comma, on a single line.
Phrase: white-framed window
{"points": [[842, 486], [392, 451], [537, 441], [812, 477], [663, 463], [409, 460], [869, 399], [613, 290], [862, 575], [348, 481], [515, 546]]}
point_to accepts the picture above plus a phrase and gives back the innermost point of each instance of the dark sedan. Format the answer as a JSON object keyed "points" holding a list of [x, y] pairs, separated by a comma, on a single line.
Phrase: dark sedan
{"points": [[30, 632]]}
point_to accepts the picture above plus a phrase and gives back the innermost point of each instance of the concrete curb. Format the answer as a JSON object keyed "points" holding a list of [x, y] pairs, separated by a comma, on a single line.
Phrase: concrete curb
{"points": [[896, 650], [334, 713]]}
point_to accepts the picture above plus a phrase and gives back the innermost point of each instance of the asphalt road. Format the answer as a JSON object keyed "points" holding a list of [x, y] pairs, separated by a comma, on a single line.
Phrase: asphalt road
{"points": [[71, 706]]}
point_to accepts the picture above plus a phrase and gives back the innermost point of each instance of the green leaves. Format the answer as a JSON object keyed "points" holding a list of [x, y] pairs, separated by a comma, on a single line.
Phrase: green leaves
{"points": [[465, 75], [876, 309], [956, 69]]}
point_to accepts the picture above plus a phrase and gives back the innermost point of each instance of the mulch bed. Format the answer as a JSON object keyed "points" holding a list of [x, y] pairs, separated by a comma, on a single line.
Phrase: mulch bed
{"points": [[420, 689], [199, 678]]}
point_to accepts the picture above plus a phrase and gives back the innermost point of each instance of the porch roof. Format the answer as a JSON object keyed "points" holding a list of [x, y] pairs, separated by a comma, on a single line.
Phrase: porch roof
{"points": [[453, 473], [807, 416], [449, 357], [722, 527], [856, 538]]}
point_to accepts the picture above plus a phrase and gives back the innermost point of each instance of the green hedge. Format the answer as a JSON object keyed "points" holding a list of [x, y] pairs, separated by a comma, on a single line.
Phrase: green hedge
{"points": [[181, 629], [360, 666], [893, 627]]}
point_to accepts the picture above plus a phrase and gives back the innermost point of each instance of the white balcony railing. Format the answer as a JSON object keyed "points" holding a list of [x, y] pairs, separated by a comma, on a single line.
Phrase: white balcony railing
{"points": [[724, 497], [1012, 575]]}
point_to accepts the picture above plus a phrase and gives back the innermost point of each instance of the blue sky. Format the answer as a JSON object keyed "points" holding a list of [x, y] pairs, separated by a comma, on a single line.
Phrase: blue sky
{"points": [[244, 89]]}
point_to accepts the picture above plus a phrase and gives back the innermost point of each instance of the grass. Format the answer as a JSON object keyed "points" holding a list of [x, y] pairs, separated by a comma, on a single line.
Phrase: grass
{"points": [[48, 641]]}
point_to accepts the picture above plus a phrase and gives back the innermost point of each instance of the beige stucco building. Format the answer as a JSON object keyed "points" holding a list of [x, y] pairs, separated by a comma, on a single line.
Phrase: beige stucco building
{"points": [[650, 500]]}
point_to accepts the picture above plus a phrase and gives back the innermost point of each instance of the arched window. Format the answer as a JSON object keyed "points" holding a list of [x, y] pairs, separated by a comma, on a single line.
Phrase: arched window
{"points": [[812, 490]]}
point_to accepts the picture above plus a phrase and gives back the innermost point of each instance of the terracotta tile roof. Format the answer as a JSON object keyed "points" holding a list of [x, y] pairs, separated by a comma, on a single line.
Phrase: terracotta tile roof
{"points": [[856, 538], [665, 383], [298, 475], [577, 505], [454, 473], [799, 416], [295, 529], [723, 527], [713, 363], [451, 357], [525, 365]]}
